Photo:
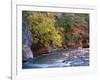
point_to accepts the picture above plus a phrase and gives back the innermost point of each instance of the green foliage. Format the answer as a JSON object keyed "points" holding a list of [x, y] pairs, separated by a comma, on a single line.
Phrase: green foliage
{"points": [[72, 37], [66, 21], [70, 19], [46, 27], [43, 29], [82, 20]]}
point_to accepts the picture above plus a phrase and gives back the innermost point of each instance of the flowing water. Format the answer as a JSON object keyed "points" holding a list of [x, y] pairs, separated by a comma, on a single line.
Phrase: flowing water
{"points": [[60, 58]]}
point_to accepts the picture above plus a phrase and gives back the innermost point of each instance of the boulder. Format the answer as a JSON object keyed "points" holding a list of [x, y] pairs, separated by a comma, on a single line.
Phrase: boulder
{"points": [[26, 53], [84, 43]]}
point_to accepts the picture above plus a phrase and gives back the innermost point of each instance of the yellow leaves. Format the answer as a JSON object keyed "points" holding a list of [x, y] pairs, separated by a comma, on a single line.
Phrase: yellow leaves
{"points": [[36, 18], [36, 40], [51, 14], [43, 27], [51, 28], [57, 40], [41, 41]]}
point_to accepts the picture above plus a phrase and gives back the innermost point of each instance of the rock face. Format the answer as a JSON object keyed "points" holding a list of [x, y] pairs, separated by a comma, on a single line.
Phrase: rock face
{"points": [[26, 34], [26, 42]]}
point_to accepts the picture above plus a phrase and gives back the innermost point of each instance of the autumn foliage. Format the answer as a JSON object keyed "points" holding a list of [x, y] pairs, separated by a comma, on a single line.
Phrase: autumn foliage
{"points": [[56, 30]]}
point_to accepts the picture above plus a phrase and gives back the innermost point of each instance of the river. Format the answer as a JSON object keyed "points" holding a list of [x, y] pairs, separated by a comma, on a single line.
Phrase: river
{"points": [[60, 58]]}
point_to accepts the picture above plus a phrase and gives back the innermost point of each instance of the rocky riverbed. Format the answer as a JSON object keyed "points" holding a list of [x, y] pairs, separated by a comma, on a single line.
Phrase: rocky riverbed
{"points": [[60, 58]]}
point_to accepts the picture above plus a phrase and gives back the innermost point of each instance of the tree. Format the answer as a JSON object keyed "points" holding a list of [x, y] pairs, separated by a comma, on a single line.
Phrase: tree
{"points": [[82, 20], [72, 37], [66, 20], [43, 30]]}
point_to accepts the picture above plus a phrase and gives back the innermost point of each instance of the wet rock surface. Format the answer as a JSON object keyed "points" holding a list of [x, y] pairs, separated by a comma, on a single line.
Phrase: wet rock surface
{"points": [[60, 58]]}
